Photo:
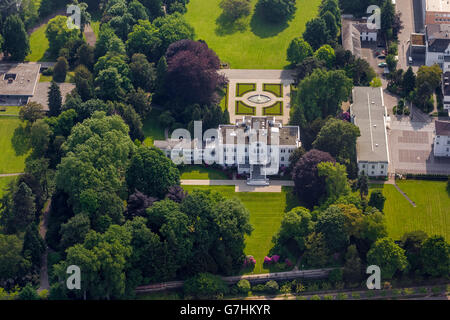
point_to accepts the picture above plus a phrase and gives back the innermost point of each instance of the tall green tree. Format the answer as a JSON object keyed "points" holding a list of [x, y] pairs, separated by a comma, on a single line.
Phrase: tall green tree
{"points": [[316, 33], [58, 33], [435, 256], [151, 172], [386, 254], [298, 50], [16, 42], [54, 100]]}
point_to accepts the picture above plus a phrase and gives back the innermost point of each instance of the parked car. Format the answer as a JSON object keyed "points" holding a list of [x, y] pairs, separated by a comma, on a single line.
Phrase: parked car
{"points": [[381, 57], [410, 60], [382, 64]]}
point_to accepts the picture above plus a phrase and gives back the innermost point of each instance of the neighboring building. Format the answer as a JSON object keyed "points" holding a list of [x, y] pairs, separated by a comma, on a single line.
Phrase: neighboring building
{"points": [[258, 146], [436, 11], [438, 45], [366, 34], [442, 139], [370, 115], [446, 91], [42, 89], [351, 37], [17, 82]]}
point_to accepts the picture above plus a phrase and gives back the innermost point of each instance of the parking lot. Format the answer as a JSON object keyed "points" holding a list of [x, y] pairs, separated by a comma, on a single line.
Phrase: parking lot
{"points": [[411, 148]]}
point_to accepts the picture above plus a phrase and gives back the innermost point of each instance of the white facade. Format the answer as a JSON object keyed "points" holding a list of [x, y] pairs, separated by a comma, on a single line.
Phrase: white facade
{"points": [[442, 146], [373, 169]]}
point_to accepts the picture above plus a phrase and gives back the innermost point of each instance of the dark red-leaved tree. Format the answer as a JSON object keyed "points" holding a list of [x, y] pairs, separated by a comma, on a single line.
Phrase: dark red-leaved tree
{"points": [[309, 187], [192, 72]]}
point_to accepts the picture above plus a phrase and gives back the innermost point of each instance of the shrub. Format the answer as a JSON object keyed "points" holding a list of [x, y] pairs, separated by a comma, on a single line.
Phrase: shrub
{"points": [[275, 258], [436, 290], [43, 295], [267, 260], [315, 297], [387, 285], [313, 287], [299, 288], [60, 70], [341, 296], [396, 292], [335, 275], [271, 286], [286, 288], [259, 288], [423, 290], [370, 294], [328, 297], [301, 298], [326, 286], [47, 72], [408, 291], [243, 286], [356, 295], [205, 286], [28, 293]]}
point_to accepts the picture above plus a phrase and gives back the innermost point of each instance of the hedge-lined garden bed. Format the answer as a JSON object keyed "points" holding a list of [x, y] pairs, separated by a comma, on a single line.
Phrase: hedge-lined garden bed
{"points": [[276, 89], [244, 109], [274, 110], [243, 88]]}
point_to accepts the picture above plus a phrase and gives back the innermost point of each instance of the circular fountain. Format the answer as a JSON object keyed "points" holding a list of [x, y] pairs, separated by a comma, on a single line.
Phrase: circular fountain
{"points": [[259, 99]]}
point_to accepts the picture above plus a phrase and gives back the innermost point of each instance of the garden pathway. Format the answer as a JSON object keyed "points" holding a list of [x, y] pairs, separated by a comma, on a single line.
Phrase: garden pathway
{"points": [[91, 38], [241, 185], [4, 175]]}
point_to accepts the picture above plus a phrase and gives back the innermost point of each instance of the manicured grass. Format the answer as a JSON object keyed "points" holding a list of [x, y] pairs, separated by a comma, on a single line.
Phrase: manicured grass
{"points": [[96, 27], [38, 45], [243, 109], [10, 110], [266, 212], [70, 78], [261, 46], [4, 181], [224, 101], [276, 89], [431, 215], [243, 88], [152, 128], [193, 172], [12, 141], [274, 110]]}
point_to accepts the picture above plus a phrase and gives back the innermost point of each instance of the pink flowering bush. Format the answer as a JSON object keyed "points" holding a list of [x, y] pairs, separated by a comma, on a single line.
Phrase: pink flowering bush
{"points": [[267, 260], [288, 262], [275, 258], [249, 261]]}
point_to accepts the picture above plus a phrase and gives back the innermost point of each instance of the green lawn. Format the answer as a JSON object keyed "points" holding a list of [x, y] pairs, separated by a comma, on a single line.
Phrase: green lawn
{"points": [[38, 45], [266, 212], [243, 88], [12, 141], [4, 181], [276, 89], [152, 129], [274, 110], [243, 109], [193, 172], [431, 215], [10, 110], [261, 46]]}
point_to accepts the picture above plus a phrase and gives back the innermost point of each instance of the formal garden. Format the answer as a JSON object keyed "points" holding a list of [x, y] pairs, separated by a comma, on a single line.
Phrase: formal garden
{"points": [[274, 110], [244, 109]]}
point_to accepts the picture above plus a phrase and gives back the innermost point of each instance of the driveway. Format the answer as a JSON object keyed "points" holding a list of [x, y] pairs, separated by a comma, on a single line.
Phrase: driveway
{"points": [[412, 22]]}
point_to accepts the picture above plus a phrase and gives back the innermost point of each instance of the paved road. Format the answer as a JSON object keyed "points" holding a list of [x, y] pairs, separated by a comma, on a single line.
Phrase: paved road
{"points": [[91, 38], [252, 278]]}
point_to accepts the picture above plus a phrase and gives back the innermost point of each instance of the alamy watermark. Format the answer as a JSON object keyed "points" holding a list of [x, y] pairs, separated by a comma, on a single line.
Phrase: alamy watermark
{"points": [[74, 18], [374, 280], [74, 280], [374, 20], [228, 145]]}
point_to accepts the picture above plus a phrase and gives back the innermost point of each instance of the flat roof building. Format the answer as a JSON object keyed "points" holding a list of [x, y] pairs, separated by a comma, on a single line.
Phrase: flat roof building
{"points": [[436, 11], [370, 115], [18, 82]]}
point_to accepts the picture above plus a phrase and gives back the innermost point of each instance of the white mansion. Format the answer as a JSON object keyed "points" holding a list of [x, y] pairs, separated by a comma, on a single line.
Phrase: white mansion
{"points": [[258, 146]]}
